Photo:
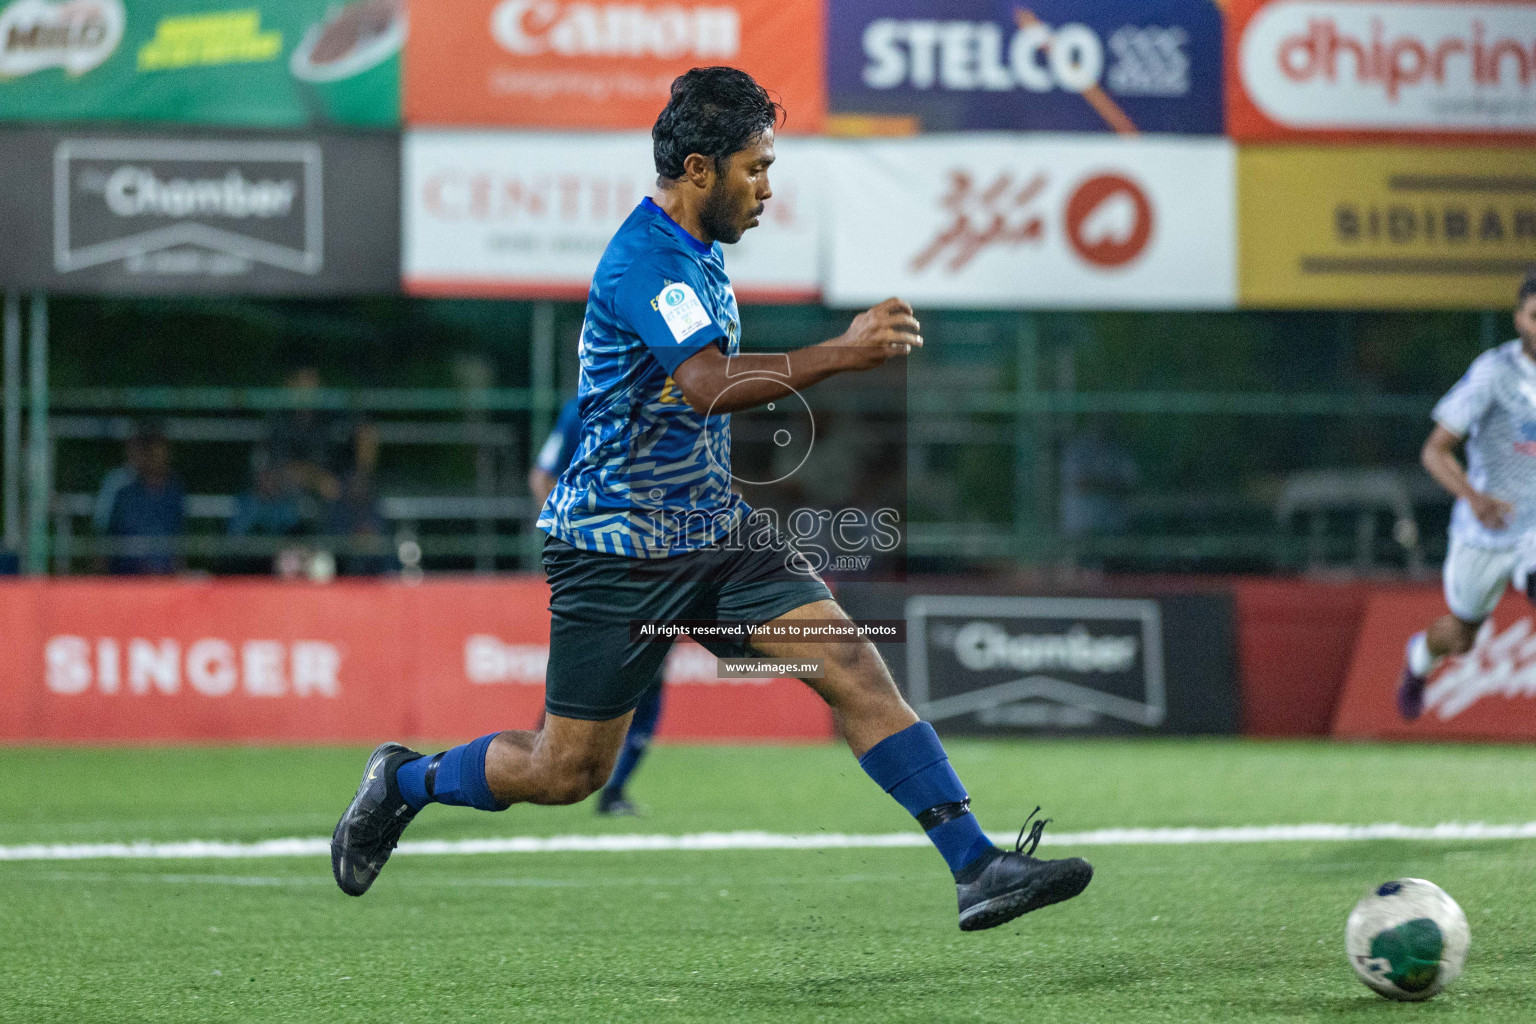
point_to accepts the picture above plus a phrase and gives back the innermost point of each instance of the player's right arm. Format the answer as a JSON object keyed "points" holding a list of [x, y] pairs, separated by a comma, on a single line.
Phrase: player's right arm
{"points": [[1464, 405], [714, 382], [1439, 458]]}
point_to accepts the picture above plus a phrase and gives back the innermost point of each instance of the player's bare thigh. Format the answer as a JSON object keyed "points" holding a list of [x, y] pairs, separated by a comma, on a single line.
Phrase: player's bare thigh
{"points": [[564, 762], [857, 684]]}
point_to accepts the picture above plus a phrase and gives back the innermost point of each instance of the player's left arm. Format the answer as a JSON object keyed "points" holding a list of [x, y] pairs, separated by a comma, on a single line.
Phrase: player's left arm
{"points": [[711, 381]]}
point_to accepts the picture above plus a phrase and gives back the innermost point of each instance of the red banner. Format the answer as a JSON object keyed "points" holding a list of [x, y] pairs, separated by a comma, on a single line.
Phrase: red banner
{"points": [[261, 661], [602, 64], [1488, 694], [1379, 70]]}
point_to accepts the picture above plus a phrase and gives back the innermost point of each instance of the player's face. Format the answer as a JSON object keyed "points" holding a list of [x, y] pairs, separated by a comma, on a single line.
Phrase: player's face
{"points": [[1525, 323], [740, 190]]}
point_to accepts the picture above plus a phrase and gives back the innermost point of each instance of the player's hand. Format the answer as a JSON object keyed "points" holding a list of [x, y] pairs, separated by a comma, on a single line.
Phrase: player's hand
{"points": [[1492, 512], [881, 332]]}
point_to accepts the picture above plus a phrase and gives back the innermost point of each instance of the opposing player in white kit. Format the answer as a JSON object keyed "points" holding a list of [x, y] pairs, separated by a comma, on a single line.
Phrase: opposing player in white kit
{"points": [[1493, 528]]}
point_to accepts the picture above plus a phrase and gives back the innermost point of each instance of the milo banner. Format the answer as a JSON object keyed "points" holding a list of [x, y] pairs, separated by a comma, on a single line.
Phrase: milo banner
{"points": [[200, 213], [262, 63]]}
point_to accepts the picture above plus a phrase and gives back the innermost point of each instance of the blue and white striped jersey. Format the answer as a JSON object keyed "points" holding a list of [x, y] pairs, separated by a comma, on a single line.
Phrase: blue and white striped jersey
{"points": [[651, 478]]}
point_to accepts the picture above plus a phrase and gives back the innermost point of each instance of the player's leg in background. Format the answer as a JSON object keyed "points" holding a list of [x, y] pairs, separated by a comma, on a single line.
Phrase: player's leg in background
{"points": [[1475, 580], [613, 800]]}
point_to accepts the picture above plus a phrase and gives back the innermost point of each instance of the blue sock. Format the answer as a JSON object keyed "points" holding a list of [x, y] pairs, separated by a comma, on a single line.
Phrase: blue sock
{"points": [[641, 728], [912, 766], [460, 778]]}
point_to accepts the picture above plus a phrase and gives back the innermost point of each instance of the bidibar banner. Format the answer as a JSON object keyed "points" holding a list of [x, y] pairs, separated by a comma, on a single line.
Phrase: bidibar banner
{"points": [[1056, 65], [1019, 221], [529, 214], [1384, 226], [1488, 694], [602, 63], [258, 63], [1363, 69], [258, 661]]}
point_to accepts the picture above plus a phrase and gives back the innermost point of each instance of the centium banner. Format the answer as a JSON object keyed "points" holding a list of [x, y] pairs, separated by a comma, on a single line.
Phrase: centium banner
{"points": [[199, 213], [257, 63]]}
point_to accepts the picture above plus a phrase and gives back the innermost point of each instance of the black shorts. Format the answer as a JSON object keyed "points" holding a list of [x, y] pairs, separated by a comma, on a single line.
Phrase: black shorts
{"points": [[596, 670]]}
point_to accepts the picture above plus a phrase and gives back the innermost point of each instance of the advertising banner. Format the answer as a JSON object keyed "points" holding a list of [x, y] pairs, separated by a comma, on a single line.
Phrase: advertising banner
{"points": [[600, 63], [1016, 221], [989, 659], [87, 212], [258, 63], [1488, 694], [101, 661], [528, 215], [1056, 65], [1360, 69], [1381, 227]]}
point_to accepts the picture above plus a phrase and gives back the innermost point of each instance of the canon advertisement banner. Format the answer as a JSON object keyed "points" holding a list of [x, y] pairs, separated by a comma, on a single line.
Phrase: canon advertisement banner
{"points": [[1353, 69], [170, 214], [261, 63], [258, 661], [1015, 221], [1058, 65], [601, 63], [497, 214], [1490, 693], [999, 664]]}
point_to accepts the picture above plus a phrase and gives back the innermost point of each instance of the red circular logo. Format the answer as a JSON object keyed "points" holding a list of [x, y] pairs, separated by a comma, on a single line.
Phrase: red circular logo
{"points": [[1109, 220]]}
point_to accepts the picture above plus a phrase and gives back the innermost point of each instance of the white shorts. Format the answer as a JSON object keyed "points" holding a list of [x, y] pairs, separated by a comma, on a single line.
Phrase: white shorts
{"points": [[1476, 578]]}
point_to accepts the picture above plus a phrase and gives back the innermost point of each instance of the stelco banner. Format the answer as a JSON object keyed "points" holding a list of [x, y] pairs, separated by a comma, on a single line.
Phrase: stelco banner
{"points": [[1384, 226], [1063, 65], [259, 661], [160, 214], [1488, 694], [263, 63], [602, 64], [996, 664], [1012, 221], [1356, 69], [500, 214]]}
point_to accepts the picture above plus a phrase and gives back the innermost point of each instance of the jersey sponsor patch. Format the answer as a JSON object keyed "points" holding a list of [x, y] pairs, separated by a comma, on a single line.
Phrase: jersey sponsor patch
{"points": [[682, 310]]}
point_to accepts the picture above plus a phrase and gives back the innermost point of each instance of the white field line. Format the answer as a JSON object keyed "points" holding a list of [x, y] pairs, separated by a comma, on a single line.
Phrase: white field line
{"points": [[208, 849]]}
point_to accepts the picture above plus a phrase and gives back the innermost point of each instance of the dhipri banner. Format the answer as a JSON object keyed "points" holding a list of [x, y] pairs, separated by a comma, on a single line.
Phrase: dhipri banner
{"points": [[1488, 694], [1055, 65], [179, 213], [500, 214], [1364, 69], [1376, 227], [261, 661], [600, 63], [262, 63], [1014, 221]]}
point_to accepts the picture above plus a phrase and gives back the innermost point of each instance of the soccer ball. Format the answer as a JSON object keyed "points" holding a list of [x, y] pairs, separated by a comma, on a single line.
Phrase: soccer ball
{"points": [[1407, 939]]}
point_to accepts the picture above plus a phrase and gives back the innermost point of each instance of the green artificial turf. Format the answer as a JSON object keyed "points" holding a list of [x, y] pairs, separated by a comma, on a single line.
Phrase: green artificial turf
{"points": [[1193, 933]]}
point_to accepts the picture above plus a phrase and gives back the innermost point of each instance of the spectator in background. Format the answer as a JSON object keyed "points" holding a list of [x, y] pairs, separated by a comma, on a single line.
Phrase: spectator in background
{"points": [[355, 514], [1097, 477], [302, 441], [272, 507], [143, 504]]}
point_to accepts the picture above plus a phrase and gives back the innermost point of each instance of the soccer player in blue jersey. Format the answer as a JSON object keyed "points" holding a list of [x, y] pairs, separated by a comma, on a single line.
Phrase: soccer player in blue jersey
{"points": [[643, 526], [553, 459]]}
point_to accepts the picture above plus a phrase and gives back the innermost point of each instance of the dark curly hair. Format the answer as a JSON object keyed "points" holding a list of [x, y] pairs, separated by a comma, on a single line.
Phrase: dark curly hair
{"points": [[1527, 286], [714, 112]]}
